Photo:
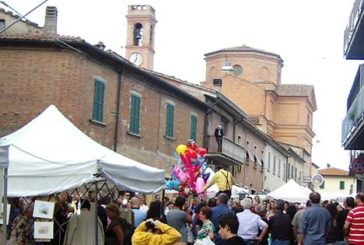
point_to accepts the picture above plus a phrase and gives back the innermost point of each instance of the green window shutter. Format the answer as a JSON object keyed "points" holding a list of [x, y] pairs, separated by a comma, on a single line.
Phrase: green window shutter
{"points": [[322, 186], [170, 120], [134, 114], [193, 127], [342, 185], [98, 105]]}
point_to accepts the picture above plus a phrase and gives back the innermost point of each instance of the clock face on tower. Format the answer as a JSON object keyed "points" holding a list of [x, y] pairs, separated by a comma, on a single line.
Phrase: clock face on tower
{"points": [[136, 59]]}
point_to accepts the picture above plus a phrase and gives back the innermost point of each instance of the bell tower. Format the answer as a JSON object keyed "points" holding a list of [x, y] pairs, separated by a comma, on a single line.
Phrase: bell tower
{"points": [[140, 35]]}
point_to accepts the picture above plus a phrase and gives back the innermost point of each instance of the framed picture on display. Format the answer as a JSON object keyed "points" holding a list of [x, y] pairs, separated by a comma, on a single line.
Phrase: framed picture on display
{"points": [[43, 230], [43, 209], [2, 214]]}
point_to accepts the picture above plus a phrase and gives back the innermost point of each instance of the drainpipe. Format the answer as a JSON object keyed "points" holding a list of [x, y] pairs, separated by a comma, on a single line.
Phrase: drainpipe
{"points": [[117, 120]]}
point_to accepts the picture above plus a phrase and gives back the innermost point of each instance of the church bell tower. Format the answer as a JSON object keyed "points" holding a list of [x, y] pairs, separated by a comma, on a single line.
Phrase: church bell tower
{"points": [[140, 35]]}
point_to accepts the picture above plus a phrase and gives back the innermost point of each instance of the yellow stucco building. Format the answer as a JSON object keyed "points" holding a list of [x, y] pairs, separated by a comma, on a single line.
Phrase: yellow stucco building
{"points": [[337, 181]]}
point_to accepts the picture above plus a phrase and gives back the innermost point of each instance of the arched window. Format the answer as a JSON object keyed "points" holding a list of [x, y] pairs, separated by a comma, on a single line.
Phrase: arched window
{"points": [[138, 34]]}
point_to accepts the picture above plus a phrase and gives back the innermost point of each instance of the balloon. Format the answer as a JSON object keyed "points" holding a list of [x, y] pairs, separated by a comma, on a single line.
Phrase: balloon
{"points": [[205, 177], [200, 184], [201, 151], [180, 149], [191, 153], [192, 145]]}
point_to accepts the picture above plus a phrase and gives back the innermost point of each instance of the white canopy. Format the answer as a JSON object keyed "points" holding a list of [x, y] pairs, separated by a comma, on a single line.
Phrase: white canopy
{"points": [[50, 154], [290, 192]]}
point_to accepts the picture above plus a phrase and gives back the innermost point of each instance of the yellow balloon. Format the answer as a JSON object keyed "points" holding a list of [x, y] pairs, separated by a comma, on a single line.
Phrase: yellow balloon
{"points": [[180, 149]]}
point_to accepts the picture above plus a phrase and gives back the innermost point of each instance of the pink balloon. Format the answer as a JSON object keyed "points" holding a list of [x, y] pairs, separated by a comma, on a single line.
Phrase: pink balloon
{"points": [[200, 184]]}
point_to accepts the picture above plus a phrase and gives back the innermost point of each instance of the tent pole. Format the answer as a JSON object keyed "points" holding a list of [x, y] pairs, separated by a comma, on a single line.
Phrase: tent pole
{"points": [[163, 202], [96, 217], [5, 206]]}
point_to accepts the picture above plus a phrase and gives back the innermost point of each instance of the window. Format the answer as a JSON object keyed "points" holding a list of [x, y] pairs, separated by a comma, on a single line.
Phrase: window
{"points": [[134, 114], [247, 156], [342, 185], [2, 24], [193, 127], [279, 168], [169, 120], [268, 161], [295, 173], [98, 106], [237, 70], [274, 165], [322, 186]]}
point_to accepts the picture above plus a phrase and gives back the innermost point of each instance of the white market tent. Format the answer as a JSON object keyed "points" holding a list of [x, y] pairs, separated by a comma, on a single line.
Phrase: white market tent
{"points": [[290, 192], [50, 154]]}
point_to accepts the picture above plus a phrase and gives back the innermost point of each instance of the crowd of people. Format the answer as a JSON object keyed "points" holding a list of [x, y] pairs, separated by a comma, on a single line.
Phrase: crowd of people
{"points": [[127, 219]]}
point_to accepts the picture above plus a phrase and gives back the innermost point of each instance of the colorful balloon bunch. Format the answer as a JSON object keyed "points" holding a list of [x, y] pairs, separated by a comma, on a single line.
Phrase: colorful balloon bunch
{"points": [[188, 176]]}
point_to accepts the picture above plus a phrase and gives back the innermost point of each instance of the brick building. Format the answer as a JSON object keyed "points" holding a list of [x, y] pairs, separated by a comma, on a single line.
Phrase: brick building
{"points": [[111, 100]]}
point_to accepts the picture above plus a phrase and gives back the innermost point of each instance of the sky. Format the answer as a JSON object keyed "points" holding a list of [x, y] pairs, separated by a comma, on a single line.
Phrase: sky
{"points": [[307, 34]]}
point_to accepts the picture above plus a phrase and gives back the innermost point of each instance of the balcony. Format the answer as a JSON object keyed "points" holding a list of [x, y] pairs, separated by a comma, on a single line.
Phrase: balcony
{"points": [[231, 153], [353, 123], [354, 33]]}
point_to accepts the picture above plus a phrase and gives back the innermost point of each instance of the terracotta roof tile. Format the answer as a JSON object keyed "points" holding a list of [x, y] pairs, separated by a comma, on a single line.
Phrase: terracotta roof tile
{"points": [[333, 172], [294, 90], [39, 37], [243, 48]]}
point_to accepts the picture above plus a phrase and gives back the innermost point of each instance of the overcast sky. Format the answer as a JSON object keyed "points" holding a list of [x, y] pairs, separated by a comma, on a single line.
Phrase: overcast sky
{"points": [[307, 34]]}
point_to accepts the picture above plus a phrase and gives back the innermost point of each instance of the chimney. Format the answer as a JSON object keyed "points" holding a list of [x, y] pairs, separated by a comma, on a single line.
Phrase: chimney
{"points": [[217, 84], [50, 22]]}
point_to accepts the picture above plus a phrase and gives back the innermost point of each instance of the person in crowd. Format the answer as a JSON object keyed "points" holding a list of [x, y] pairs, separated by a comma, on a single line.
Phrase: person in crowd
{"points": [[219, 135], [280, 225], [223, 179], [291, 211], [256, 200], [116, 232], [354, 224], [332, 235], [155, 212], [250, 223], [154, 232], [236, 207], [207, 228], [81, 228], [218, 211], [211, 202], [271, 208], [22, 227], [296, 221], [169, 206], [349, 204], [260, 210], [139, 215], [196, 222], [157, 197], [143, 206], [61, 211], [315, 222], [228, 229], [178, 217]]}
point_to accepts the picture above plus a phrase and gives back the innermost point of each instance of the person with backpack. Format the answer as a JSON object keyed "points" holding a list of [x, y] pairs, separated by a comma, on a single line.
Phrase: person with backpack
{"points": [[119, 231]]}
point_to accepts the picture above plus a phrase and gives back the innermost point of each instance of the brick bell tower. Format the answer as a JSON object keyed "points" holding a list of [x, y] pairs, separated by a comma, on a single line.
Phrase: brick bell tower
{"points": [[141, 23]]}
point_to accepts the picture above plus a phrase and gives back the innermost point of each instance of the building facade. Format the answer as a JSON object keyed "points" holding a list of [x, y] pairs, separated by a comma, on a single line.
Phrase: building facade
{"points": [[253, 83], [353, 123], [337, 181]]}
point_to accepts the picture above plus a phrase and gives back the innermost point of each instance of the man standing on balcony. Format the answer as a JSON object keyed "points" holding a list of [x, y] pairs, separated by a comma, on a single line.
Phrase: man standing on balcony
{"points": [[219, 134], [223, 179]]}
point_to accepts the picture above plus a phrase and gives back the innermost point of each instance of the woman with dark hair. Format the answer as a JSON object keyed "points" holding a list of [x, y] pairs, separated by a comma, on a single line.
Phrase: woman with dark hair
{"points": [[291, 211], [155, 211], [332, 235]]}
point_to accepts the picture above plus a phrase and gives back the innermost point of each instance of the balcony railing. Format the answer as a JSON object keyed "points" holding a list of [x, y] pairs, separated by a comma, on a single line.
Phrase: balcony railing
{"points": [[353, 116], [353, 21], [229, 148]]}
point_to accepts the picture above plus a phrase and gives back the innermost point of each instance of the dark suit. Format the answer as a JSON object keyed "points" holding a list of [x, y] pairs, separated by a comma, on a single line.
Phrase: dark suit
{"points": [[219, 134]]}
